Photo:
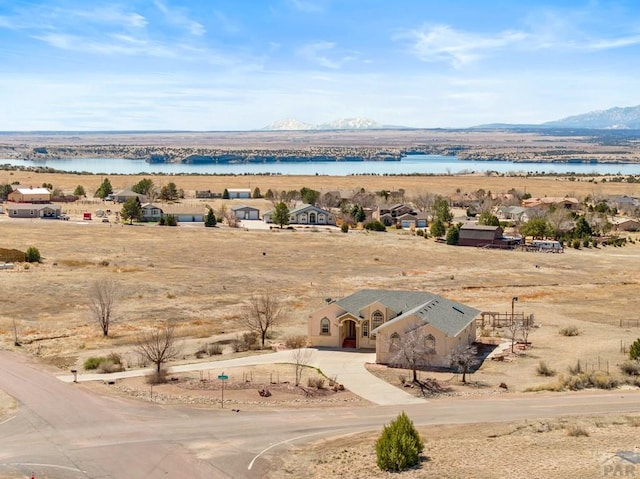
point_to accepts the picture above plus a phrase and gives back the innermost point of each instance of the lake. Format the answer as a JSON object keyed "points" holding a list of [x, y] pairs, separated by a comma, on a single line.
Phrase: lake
{"points": [[412, 164]]}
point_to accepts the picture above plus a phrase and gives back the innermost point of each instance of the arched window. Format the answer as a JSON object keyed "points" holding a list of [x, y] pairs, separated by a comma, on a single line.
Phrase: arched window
{"points": [[395, 343], [325, 326], [430, 342], [365, 329], [377, 318]]}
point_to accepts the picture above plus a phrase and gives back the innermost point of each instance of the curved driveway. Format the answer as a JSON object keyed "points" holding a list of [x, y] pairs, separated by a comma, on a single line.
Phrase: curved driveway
{"points": [[347, 367]]}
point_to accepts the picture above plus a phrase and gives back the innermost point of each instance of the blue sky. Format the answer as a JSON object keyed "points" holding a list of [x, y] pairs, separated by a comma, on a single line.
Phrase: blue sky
{"points": [[242, 64]]}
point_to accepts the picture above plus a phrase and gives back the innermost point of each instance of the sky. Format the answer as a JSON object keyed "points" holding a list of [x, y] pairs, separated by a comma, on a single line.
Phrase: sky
{"points": [[209, 65]]}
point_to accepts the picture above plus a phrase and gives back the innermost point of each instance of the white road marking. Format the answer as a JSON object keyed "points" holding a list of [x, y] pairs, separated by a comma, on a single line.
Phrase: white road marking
{"points": [[7, 420], [35, 464], [296, 438]]}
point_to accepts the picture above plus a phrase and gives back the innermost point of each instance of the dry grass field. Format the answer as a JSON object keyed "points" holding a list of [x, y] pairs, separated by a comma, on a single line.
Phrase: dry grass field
{"points": [[537, 449], [199, 277]]}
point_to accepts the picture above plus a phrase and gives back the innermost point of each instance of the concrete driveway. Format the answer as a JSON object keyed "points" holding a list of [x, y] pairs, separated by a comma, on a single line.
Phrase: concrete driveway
{"points": [[347, 367]]}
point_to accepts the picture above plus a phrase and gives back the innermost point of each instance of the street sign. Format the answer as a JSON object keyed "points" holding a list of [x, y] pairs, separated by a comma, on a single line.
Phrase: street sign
{"points": [[223, 377]]}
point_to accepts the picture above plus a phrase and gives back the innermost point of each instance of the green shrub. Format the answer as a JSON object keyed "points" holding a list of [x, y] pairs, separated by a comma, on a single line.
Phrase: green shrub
{"points": [[544, 370], [399, 446], [634, 350], [375, 226], [33, 255], [93, 362], [344, 227], [576, 244]]}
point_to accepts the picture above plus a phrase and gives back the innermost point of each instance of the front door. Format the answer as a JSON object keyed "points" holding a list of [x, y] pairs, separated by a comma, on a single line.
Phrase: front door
{"points": [[349, 334]]}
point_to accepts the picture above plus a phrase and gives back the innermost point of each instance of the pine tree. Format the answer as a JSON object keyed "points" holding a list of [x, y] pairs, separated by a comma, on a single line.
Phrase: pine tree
{"points": [[399, 446], [210, 219], [634, 350]]}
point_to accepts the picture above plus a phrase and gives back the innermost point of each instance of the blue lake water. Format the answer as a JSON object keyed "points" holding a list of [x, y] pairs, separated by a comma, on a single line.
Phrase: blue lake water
{"points": [[412, 164]]}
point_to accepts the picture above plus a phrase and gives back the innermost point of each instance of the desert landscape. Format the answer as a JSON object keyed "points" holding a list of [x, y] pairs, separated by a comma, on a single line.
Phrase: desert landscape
{"points": [[199, 278]]}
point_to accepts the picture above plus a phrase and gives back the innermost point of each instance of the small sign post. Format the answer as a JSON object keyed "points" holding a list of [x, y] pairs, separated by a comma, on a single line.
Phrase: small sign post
{"points": [[222, 377]]}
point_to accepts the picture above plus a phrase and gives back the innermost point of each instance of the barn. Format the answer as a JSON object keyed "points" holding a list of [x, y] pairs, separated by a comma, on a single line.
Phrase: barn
{"points": [[480, 235]]}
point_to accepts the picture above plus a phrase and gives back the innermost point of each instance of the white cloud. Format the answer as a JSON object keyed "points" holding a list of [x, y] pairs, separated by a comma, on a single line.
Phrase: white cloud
{"points": [[442, 43], [179, 18], [318, 53]]}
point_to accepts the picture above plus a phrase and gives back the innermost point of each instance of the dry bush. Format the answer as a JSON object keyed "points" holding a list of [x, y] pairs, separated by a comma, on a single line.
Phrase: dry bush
{"points": [[316, 382], [577, 431], [214, 349], [543, 369], [630, 368], [570, 331], [157, 377], [295, 342]]}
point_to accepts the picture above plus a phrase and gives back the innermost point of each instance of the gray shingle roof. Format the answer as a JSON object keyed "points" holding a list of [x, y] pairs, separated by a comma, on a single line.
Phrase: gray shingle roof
{"points": [[445, 315]]}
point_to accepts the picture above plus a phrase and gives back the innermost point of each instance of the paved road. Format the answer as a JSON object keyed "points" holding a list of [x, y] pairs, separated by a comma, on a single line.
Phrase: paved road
{"points": [[348, 367], [62, 431]]}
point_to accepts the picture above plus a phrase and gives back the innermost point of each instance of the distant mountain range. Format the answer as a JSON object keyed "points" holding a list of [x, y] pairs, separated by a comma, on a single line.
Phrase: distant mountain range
{"points": [[343, 124], [627, 118]]}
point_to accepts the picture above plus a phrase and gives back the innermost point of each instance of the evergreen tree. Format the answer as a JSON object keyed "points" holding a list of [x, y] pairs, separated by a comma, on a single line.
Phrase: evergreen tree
{"points": [[437, 228], [256, 193], [79, 191], [104, 190], [169, 192], [634, 350], [453, 234], [488, 219], [309, 196], [210, 219], [131, 210], [143, 187], [441, 210], [399, 446], [225, 194], [281, 214]]}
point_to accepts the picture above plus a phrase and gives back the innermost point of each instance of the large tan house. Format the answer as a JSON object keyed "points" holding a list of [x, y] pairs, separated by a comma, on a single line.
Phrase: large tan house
{"points": [[377, 319], [29, 195]]}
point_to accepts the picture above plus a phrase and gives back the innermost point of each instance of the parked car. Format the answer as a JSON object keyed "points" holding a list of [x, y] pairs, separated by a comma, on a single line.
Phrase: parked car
{"points": [[105, 220], [63, 217]]}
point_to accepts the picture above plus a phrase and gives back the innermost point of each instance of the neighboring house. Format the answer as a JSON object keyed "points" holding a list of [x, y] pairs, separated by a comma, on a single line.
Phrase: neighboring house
{"points": [[413, 220], [389, 214], [243, 212], [625, 224], [151, 212], [567, 202], [305, 215], [236, 193], [513, 213], [121, 196], [189, 217], [30, 210], [29, 195], [377, 319], [477, 235], [204, 194]]}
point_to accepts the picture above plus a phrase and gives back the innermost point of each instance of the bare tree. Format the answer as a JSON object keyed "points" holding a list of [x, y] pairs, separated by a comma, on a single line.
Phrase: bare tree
{"points": [[412, 350], [560, 221], [300, 358], [513, 328], [103, 296], [263, 312], [525, 329], [463, 359], [158, 346]]}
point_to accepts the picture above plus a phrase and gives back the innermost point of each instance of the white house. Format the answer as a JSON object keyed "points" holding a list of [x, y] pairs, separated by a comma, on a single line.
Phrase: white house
{"points": [[243, 212], [236, 193], [305, 215]]}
